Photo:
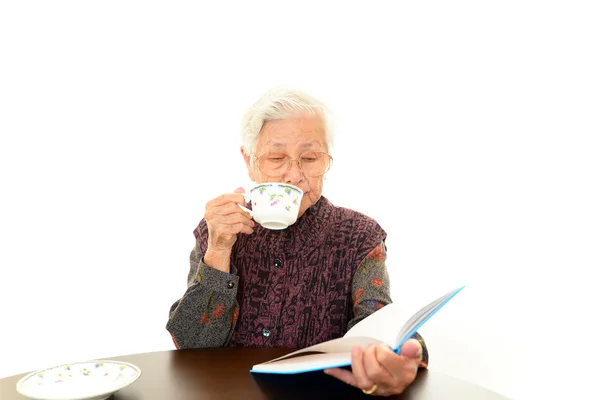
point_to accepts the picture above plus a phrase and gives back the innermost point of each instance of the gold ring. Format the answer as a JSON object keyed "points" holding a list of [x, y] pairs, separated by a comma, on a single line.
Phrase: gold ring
{"points": [[370, 391]]}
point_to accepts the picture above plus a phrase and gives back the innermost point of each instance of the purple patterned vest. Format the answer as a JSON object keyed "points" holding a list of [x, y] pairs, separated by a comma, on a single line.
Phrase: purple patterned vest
{"points": [[295, 284]]}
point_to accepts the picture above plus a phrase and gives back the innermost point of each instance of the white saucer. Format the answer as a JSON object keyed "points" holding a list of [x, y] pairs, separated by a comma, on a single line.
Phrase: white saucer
{"points": [[90, 380]]}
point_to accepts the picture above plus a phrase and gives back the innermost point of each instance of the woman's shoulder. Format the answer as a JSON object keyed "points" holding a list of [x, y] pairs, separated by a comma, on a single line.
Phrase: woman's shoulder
{"points": [[344, 215]]}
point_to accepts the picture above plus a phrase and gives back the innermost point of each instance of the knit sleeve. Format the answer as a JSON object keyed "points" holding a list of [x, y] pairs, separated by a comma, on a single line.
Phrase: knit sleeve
{"points": [[207, 312], [371, 290]]}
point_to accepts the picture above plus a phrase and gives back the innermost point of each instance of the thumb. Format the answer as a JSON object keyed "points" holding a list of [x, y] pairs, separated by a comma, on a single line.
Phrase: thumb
{"points": [[412, 349]]}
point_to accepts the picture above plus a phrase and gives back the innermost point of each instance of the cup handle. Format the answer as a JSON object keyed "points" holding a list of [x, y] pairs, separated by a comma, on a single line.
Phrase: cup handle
{"points": [[247, 198], [245, 209]]}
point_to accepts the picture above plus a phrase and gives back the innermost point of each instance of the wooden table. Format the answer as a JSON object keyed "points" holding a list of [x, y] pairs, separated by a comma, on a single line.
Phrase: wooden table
{"points": [[224, 374]]}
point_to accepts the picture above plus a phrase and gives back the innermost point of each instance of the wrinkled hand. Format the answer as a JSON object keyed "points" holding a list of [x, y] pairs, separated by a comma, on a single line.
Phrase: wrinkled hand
{"points": [[379, 365], [225, 219]]}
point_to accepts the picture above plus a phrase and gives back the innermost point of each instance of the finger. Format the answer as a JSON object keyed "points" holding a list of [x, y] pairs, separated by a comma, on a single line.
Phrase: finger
{"points": [[237, 217], [343, 375], [243, 210], [230, 213], [374, 370], [390, 362], [243, 228], [226, 198], [358, 369], [412, 349], [231, 208], [225, 229], [403, 369]]}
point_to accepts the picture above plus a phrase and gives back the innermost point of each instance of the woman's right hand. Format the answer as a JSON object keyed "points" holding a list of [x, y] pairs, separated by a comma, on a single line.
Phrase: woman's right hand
{"points": [[225, 219]]}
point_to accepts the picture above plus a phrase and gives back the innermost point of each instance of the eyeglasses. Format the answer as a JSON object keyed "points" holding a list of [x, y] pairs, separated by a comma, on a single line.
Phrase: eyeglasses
{"points": [[312, 164]]}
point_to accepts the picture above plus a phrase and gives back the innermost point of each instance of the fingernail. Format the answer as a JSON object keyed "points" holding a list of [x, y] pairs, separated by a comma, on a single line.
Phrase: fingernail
{"points": [[355, 350], [326, 371]]}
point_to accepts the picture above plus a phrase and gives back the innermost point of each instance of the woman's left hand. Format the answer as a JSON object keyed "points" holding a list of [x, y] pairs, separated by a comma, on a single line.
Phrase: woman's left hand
{"points": [[379, 371]]}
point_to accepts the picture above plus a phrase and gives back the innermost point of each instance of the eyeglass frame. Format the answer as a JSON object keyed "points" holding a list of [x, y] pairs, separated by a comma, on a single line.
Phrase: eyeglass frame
{"points": [[298, 162]]}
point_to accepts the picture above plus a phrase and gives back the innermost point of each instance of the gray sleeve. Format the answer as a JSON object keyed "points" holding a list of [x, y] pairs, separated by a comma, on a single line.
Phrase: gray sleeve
{"points": [[207, 312], [371, 290], [370, 285]]}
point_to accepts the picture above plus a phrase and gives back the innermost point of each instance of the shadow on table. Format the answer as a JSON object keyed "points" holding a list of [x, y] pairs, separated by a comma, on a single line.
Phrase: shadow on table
{"points": [[311, 385]]}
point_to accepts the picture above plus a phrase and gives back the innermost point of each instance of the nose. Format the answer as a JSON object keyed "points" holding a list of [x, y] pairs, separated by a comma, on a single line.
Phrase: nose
{"points": [[294, 174]]}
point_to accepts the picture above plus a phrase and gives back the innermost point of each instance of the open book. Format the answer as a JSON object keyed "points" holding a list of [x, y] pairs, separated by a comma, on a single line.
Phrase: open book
{"points": [[383, 326]]}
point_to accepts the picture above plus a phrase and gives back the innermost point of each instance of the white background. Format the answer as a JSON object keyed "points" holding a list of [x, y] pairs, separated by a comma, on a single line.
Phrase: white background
{"points": [[468, 129]]}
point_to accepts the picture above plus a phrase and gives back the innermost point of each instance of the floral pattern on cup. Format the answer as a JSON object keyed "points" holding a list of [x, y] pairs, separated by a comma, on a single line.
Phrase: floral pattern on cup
{"points": [[275, 205], [275, 198]]}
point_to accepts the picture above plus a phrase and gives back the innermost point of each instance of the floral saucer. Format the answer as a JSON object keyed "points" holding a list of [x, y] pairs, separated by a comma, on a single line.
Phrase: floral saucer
{"points": [[90, 380]]}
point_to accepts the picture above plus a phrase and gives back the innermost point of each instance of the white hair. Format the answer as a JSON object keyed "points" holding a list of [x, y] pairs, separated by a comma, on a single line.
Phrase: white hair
{"points": [[277, 104]]}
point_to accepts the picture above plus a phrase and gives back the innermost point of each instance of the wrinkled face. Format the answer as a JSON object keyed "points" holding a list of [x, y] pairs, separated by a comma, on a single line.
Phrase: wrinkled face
{"points": [[294, 138]]}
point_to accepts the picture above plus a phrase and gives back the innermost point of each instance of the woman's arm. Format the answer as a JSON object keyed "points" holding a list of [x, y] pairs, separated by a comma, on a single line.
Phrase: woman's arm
{"points": [[371, 290], [207, 312]]}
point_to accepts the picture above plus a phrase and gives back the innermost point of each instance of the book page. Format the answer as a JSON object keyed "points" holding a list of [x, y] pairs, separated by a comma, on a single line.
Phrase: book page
{"points": [[307, 363], [340, 345], [420, 317], [383, 325]]}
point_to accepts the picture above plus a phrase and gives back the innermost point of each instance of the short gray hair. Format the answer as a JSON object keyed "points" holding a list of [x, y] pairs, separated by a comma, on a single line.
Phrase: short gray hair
{"points": [[281, 103]]}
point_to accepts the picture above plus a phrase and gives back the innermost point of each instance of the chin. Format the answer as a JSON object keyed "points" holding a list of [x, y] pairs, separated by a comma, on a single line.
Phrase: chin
{"points": [[308, 201]]}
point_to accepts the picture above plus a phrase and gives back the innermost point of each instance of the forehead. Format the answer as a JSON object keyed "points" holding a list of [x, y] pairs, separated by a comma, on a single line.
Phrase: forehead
{"points": [[305, 131]]}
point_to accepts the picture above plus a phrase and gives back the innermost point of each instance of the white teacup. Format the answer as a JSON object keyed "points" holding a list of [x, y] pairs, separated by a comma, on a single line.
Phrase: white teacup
{"points": [[275, 205]]}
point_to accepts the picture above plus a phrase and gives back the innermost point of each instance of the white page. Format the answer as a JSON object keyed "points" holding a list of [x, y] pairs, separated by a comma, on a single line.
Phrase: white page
{"points": [[305, 363], [389, 324], [422, 315], [339, 345], [383, 325]]}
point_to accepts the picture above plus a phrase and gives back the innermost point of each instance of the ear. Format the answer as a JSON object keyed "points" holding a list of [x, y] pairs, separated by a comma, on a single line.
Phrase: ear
{"points": [[248, 165]]}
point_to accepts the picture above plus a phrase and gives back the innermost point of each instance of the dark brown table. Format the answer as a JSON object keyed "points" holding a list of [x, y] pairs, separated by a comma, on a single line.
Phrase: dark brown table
{"points": [[224, 374]]}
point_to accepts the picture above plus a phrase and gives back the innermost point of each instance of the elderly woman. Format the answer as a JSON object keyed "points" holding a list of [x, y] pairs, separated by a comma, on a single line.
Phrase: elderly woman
{"points": [[311, 282]]}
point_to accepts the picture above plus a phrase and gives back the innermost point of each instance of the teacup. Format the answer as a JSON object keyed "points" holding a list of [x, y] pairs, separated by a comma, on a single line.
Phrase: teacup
{"points": [[275, 205]]}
